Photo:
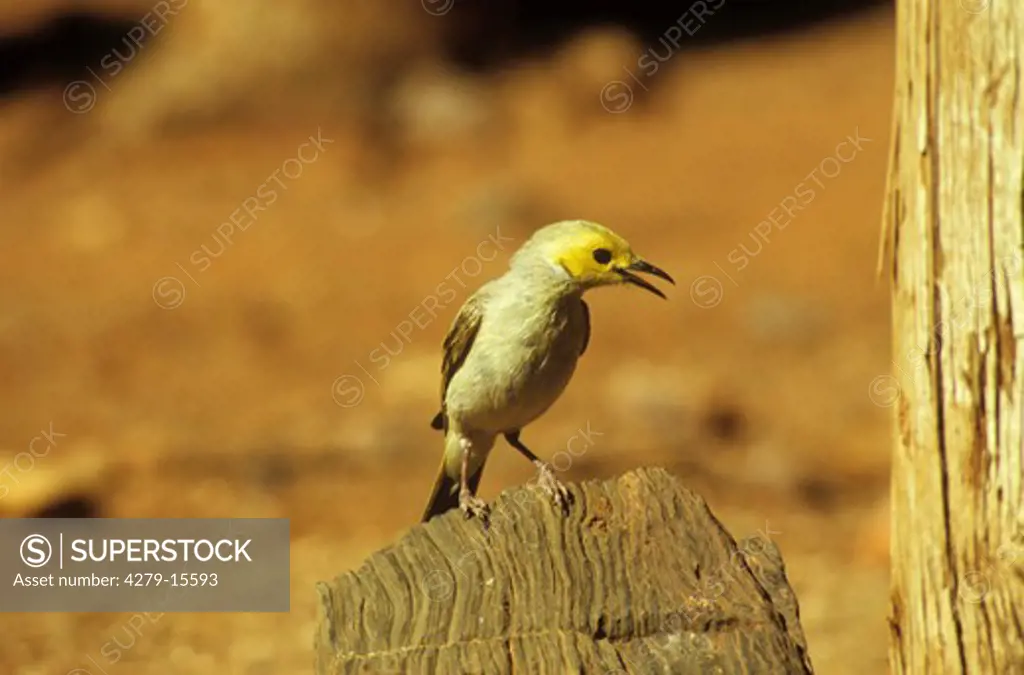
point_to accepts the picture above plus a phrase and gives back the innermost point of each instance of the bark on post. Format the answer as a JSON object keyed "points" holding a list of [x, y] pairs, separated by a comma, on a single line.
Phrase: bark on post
{"points": [[956, 231]]}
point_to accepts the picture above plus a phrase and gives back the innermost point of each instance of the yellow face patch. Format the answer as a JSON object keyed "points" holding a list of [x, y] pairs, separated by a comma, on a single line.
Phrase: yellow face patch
{"points": [[591, 255]]}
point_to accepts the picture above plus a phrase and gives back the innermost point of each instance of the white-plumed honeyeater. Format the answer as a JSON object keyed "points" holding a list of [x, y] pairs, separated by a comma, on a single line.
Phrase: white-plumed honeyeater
{"points": [[513, 347]]}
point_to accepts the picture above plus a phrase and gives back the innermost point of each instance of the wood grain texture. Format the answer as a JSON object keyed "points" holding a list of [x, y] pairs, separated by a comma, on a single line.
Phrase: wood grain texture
{"points": [[956, 227], [639, 577]]}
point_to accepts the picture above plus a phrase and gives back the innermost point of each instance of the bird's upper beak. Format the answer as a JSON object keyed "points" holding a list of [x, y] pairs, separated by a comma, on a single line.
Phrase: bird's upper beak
{"points": [[641, 265]]}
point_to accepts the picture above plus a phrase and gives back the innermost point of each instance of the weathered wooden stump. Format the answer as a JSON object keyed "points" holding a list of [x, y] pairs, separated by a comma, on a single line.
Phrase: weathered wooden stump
{"points": [[639, 578]]}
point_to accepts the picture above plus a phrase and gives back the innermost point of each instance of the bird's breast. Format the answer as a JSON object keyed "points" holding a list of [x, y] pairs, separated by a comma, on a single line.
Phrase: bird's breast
{"points": [[520, 363]]}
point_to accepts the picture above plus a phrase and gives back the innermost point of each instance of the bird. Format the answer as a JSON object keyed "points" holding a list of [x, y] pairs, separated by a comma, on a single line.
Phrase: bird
{"points": [[513, 347]]}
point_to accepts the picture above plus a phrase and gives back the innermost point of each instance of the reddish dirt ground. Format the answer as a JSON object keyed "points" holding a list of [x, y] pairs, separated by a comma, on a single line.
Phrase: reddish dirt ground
{"points": [[752, 383]]}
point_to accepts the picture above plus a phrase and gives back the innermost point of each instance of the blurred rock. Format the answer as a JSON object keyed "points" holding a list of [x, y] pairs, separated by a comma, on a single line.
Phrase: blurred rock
{"points": [[782, 318], [724, 422], [496, 208], [571, 88], [64, 475], [432, 105], [818, 493], [591, 62], [645, 392]]}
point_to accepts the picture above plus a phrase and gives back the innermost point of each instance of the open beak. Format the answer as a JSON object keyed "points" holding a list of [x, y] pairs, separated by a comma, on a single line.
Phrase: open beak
{"points": [[640, 265]]}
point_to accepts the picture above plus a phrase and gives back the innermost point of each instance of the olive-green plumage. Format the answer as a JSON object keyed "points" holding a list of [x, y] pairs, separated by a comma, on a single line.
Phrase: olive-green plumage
{"points": [[513, 347]]}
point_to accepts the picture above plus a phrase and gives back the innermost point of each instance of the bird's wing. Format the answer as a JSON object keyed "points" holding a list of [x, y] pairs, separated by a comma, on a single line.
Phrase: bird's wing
{"points": [[456, 346], [586, 328]]}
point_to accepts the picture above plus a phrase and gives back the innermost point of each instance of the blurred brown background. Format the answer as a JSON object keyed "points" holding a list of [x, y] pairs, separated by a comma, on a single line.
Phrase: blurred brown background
{"points": [[212, 314]]}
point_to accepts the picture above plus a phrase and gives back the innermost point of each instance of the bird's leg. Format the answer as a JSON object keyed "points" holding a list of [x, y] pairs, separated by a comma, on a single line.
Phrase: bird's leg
{"points": [[545, 474], [470, 504]]}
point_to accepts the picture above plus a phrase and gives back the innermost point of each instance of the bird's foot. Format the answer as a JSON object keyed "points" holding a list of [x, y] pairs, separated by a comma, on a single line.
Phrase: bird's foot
{"points": [[547, 482], [474, 507]]}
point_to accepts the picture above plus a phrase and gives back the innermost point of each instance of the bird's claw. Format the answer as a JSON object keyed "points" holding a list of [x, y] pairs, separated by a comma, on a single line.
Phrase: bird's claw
{"points": [[474, 507], [547, 482]]}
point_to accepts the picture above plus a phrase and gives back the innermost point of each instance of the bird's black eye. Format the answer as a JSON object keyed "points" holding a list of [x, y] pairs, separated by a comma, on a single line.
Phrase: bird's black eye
{"points": [[603, 256]]}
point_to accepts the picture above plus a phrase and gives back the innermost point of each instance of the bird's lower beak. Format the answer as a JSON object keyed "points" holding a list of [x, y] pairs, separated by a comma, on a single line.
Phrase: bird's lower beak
{"points": [[640, 265]]}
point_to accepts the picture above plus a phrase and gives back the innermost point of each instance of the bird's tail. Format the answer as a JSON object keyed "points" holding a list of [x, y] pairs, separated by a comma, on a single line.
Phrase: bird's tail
{"points": [[444, 497], [446, 491]]}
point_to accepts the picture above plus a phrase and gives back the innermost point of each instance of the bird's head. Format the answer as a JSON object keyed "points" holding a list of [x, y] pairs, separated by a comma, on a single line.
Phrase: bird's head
{"points": [[591, 255]]}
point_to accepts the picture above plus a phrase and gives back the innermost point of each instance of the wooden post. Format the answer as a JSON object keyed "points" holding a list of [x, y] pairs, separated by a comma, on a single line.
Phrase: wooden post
{"points": [[639, 577], [956, 231]]}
